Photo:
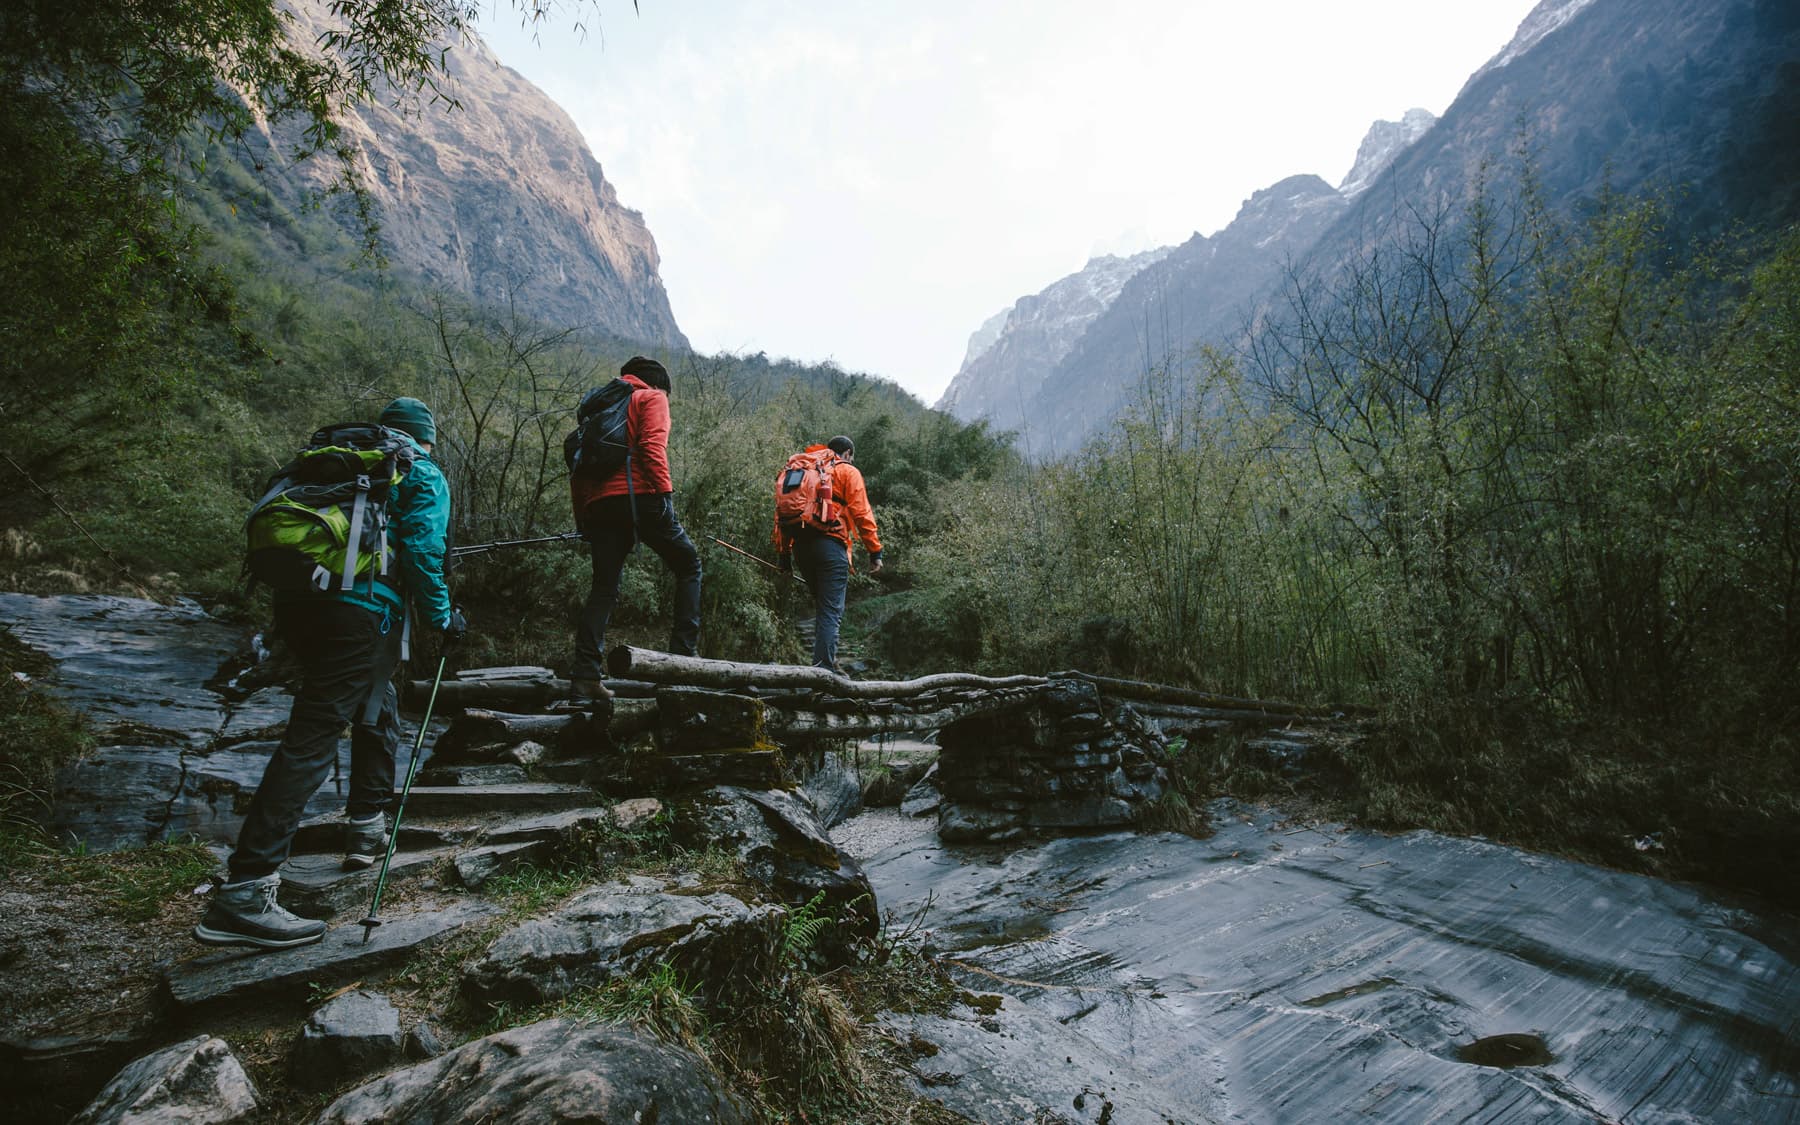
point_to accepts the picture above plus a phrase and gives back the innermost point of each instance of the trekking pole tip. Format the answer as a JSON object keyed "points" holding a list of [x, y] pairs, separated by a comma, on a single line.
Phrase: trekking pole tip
{"points": [[368, 924]]}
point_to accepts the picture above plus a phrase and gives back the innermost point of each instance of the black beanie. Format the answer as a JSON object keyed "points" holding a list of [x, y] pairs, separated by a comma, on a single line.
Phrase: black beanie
{"points": [[651, 372], [842, 446]]}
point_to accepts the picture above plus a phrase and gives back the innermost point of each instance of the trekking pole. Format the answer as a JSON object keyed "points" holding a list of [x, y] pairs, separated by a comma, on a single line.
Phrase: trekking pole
{"points": [[412, 770], [757, 558], [483, 548]]}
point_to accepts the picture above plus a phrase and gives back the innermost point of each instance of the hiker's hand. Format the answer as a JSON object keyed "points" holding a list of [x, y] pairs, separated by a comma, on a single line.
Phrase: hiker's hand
{"points": [[456, 628], [784, 563], [875, 564]]}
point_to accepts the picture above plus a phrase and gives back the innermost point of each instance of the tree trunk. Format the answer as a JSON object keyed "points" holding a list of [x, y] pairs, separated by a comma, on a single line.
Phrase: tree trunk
{"points": [[478, 727], [693, 671], [1164, 693], [783, 722]]}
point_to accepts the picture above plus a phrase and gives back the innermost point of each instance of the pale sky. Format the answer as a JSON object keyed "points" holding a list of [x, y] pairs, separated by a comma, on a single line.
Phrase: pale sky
{"points": [[866, 181]]}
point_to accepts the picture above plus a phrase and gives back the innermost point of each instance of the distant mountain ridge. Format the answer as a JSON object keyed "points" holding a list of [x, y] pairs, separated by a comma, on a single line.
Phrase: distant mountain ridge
{"points": [[1064, 359], [498, 200], [1009, 354], [1701, 102]]}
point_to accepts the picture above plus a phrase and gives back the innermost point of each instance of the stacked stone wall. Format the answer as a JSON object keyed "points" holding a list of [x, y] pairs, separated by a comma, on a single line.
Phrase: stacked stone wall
{"points": [[1060, 765]]}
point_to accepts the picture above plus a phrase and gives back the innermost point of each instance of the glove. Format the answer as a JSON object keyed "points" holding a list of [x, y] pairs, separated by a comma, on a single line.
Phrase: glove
{"points": [[785, 563], [456, 628]]}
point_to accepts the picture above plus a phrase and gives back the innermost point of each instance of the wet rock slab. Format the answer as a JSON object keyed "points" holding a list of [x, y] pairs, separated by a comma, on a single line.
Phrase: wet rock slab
{"points": [[230, 977], [133, 665], [1281, 973], [1024, 1065]]}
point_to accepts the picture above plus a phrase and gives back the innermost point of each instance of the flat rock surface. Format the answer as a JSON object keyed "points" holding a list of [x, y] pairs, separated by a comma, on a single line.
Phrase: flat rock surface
{"points": [[1284, 973], [176, 758], [992, 1069], [236, 975], [131, 664]]}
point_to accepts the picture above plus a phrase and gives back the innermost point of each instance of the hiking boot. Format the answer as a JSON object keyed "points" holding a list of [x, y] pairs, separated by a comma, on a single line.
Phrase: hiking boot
{"points": [[246, 913], [365, 841], [588, 691]]}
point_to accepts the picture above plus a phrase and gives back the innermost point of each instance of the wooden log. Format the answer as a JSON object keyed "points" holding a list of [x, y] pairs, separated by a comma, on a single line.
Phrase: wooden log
{"points": [[694, 671], [784, 723], [496, 693], [481, 728], [1151, 709], [1167, 693]]}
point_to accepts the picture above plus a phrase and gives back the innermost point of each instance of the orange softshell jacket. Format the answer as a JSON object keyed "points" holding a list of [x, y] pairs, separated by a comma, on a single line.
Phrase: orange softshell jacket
{"points": [[852, 498], [647, 429]]}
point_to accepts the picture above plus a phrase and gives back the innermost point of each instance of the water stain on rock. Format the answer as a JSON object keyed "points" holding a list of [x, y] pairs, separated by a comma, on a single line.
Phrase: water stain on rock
{"points": [[1507, 1051]]}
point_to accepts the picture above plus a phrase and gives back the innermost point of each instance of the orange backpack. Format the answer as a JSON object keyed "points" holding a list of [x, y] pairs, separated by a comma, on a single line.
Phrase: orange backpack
{"points": [[803, 492]]}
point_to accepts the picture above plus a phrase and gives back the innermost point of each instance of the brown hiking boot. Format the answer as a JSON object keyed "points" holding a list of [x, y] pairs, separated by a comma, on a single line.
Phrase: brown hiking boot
{"points": [[588, 691]]}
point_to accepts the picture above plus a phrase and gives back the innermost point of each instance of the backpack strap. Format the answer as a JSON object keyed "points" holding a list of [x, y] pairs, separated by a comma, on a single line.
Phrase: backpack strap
{"points": [[358, 512]]}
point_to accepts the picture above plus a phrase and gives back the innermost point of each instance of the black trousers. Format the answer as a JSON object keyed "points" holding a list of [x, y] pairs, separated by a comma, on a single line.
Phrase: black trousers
{"points": [[611, 534], [348, 653]]}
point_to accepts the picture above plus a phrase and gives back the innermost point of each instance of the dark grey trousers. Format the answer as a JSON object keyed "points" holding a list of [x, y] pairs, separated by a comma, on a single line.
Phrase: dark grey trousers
{"points": [[825, 564], [346, 652], [611, 535]]}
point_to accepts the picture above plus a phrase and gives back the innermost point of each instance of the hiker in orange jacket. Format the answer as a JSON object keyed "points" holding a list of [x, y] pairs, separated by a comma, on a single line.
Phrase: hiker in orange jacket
{"points": [[823, 555], [623, 509]]}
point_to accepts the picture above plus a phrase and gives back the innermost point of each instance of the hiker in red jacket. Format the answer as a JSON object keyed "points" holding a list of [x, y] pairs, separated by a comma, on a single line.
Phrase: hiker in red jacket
{"points": [[629, 506], [822, 553]]}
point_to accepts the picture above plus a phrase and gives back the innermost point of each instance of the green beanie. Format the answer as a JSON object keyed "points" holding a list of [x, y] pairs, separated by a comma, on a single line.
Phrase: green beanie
{"points": [[412, 416]]}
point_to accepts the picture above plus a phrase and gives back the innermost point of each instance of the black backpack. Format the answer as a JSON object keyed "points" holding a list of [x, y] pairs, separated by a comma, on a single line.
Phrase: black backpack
{"points": [[600, 445]]}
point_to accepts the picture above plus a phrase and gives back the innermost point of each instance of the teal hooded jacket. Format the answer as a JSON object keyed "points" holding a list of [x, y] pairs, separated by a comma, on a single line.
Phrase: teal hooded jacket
{"points": [[418, 531]]}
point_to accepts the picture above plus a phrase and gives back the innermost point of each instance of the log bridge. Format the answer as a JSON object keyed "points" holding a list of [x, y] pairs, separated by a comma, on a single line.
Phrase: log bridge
{"points": [[1018, 755]]}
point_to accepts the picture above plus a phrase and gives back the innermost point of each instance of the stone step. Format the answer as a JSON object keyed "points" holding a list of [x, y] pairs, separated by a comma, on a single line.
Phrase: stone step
{"points": [[478, 800], [569, 771], [234, 978], [325, 834], [556, 826], [317, 886], [477, 865], [495, 774]]}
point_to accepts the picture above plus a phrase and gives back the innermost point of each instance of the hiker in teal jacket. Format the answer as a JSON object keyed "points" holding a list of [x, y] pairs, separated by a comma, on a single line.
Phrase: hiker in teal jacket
{"points": [[349, 645]]}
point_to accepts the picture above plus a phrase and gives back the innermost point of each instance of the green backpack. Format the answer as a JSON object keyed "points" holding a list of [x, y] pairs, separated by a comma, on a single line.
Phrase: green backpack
{"points": [[323, 518]]}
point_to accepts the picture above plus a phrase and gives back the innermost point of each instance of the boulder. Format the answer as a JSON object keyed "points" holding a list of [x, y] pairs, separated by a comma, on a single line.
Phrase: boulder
{"points": [[349, 1035], [196, 1081], [785, 849], [476, 866], [422, 1042], [923, 798], [834, 791], [619, 928], [553, 1071]]}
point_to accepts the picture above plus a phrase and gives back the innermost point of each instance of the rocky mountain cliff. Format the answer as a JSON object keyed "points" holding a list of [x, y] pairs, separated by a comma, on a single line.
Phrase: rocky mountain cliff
{"points": [[1384, 141], [1699, 104], [498, 199], [1011, 353]]}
